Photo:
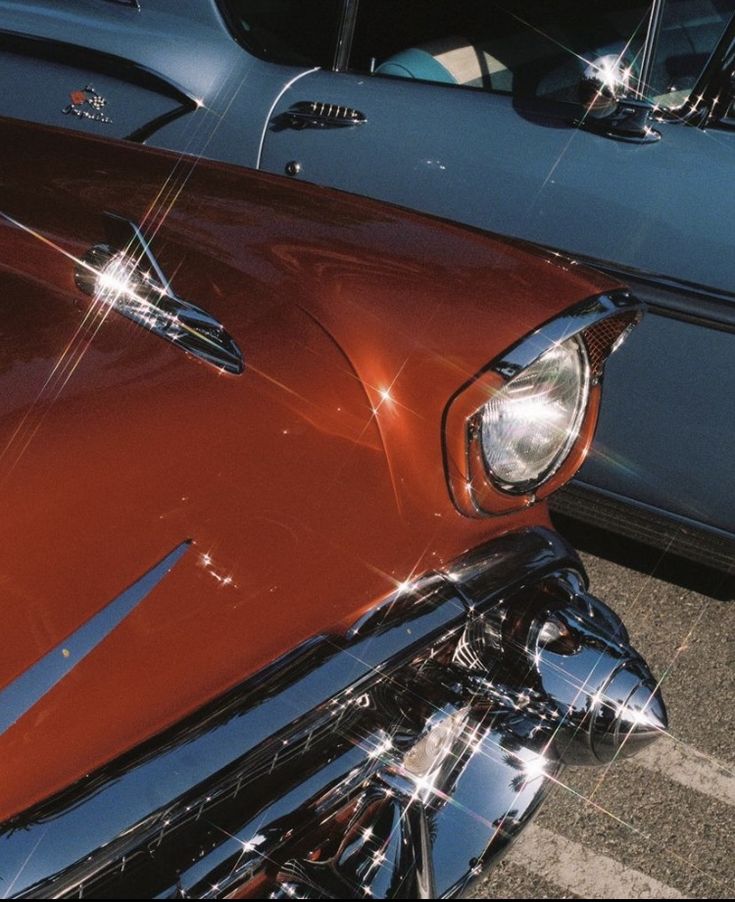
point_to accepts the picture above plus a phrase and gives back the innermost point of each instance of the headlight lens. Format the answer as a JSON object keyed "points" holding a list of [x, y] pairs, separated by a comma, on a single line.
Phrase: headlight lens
{"points": [[530, 425]]}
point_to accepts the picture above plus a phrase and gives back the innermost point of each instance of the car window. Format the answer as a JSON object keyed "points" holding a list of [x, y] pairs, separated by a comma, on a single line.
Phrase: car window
{"points": [[530, 48], [534, 48], [293, 32], [690, 32]]}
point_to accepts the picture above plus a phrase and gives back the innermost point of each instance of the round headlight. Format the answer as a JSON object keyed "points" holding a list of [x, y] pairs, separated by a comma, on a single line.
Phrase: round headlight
{"points": [[530, 425]]}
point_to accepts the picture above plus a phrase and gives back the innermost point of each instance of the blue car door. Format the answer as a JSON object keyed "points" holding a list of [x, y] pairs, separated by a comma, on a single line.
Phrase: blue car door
{"points": [[492, 143], [164, 72]]}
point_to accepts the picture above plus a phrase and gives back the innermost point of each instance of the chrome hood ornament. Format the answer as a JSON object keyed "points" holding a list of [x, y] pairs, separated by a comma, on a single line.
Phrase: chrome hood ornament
{"points": [[124, 275]]}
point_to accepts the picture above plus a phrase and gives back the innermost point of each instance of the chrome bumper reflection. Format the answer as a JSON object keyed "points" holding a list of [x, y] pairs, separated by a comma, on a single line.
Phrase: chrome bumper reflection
{"points": [[399, 761]]}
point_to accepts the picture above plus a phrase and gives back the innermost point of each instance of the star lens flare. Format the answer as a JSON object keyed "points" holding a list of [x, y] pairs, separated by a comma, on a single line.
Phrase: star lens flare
{"points": [[125, 276], [118, 278]]}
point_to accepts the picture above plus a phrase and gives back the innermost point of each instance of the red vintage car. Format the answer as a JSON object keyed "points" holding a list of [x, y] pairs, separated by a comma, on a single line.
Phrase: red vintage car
{"points": [[284, 613]]}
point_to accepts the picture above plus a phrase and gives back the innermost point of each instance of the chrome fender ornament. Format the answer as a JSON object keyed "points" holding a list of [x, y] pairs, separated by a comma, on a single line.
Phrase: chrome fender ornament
{"points": [[123, 274]]}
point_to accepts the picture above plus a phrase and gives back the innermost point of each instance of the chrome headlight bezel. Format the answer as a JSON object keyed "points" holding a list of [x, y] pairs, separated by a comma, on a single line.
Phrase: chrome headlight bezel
{"points": [[598, 325]]}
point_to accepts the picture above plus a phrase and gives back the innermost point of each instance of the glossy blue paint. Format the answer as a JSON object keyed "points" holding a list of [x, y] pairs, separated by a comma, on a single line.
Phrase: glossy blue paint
{"points": [[184, 44], [490, 161], [536, 179], [666, 421]]}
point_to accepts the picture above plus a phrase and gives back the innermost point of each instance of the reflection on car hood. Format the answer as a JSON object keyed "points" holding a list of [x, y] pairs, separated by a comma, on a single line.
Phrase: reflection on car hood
{"points": [[299, 492]]}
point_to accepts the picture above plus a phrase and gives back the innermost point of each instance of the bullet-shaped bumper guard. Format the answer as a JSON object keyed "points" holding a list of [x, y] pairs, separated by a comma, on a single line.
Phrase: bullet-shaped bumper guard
{"points": [[398, 761]]}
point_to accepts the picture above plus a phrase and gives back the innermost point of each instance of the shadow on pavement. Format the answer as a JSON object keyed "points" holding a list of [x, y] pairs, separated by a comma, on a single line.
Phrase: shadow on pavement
{"points": [[646, 559]]}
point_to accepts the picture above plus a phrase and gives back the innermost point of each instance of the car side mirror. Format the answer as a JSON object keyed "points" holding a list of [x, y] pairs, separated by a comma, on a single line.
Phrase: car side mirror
{"points": [[610, 105]]}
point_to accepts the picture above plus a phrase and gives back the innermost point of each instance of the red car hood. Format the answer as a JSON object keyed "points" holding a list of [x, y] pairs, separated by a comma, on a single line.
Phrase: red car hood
{"points": [[308, 486]]}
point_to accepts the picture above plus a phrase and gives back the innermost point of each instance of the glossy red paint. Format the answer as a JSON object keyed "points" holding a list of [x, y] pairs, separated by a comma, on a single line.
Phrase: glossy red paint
{"points": [[310, 485]]}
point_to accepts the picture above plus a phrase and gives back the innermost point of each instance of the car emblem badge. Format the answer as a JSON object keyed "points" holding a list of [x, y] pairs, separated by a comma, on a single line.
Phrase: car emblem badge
{"points": [[86, 103]]}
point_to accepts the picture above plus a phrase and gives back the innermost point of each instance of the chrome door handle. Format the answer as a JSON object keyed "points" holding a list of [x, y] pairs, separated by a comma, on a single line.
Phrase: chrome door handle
{"points": [[315, 114]]}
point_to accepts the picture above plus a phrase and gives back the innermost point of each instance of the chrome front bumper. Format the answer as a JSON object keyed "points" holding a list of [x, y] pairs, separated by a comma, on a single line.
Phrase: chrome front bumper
{"points": [[398, 761]]}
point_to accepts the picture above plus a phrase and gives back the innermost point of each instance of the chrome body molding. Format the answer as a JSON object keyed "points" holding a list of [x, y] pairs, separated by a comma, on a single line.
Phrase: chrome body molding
{"points": [[125, 276], [399, 760], [19, 696], [578, 319], [672, 533], [664, 295], [699, 305]]}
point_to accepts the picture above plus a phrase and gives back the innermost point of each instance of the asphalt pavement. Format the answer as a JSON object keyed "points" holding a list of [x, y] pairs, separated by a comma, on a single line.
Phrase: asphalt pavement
{"points": [[661, 825]]}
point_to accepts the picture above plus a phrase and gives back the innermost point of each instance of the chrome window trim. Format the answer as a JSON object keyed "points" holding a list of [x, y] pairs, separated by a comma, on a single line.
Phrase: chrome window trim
{"points": [[699, 110], [345, 35], [650, 46]]}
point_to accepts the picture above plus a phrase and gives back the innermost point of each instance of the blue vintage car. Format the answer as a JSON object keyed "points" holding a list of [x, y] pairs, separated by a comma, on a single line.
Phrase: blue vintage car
{"points": [[604, 130]]}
